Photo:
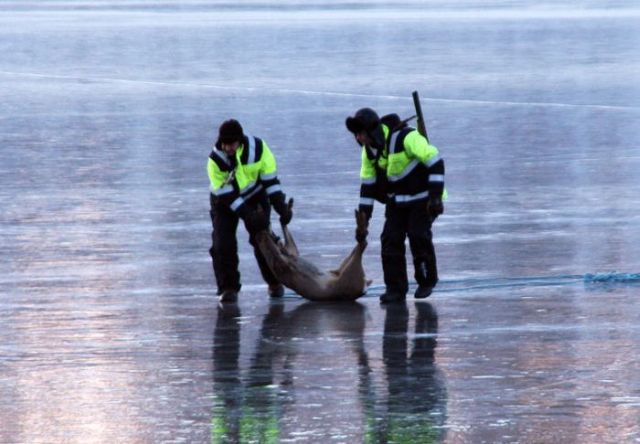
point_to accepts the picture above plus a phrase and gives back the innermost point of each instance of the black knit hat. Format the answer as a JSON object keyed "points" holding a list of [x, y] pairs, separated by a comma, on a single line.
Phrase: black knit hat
{"points": [[365, 119], [230, 131]]}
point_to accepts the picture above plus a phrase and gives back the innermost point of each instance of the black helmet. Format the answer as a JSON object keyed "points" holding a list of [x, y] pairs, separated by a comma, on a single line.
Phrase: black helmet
{"points": [[230, 131], [365, 119]]}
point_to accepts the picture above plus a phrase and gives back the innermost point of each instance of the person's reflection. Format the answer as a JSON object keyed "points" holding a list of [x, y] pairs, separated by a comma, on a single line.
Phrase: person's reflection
{"points": [[285, 355], [262, 404], [251, 408], [228, 391], [416, 404]]}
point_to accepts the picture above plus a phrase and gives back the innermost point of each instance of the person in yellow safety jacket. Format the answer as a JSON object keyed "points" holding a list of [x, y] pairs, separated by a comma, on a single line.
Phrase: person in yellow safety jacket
{"points": [[406, 173], [243, 177]]}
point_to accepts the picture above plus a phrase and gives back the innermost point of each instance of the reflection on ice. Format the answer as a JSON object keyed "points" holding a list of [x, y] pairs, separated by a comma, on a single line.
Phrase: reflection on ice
{"points": [[289, 380], [109, 329]]}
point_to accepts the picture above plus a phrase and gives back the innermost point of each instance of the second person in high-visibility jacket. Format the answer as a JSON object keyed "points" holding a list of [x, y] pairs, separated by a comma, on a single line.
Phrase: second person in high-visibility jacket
{"points": [[243, 178], [401, 169]]}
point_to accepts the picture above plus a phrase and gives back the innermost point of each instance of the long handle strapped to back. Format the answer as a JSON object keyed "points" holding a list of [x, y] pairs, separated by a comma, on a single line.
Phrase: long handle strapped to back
{"points": [[422, 129]]}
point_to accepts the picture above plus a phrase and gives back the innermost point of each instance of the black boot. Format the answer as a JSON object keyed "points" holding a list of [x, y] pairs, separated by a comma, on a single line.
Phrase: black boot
{"points": [[395, 278], [392, 297], [423, 291], [229, 297], [426, 275], [276, 290]]}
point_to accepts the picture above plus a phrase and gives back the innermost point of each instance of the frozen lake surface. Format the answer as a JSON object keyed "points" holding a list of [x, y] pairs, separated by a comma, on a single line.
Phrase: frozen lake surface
{"points": [[110, 329]]}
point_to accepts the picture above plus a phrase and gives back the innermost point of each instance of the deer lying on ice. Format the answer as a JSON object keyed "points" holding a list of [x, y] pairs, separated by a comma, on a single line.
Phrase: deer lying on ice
{"points": [[346, 283]]}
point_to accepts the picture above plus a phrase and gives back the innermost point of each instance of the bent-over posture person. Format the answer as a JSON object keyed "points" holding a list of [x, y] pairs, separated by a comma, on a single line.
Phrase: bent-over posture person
{"points": [[401, 169], [243, 178]]}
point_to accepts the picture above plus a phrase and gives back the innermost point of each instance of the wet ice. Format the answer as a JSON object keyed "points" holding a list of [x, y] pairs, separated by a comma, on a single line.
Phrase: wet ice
{"points": [[109, 326]]}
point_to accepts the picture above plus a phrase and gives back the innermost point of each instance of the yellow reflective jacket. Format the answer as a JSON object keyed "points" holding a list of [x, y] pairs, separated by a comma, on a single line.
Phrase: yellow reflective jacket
{"points": [[251, 171], [408, 169]]}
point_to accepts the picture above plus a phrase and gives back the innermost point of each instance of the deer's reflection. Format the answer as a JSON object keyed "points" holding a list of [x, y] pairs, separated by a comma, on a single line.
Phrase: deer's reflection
{"points": [[227, 409]]}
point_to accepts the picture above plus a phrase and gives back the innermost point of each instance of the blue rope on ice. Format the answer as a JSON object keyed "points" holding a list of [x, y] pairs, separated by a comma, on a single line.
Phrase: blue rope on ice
{"points": [[457, 285], [613, 277]]}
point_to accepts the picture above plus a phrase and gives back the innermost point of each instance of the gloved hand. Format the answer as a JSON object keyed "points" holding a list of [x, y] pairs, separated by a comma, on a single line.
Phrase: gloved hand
{"points": [[287, 214], [435, 207], [255, 220], [284, 210], [362, 224]]}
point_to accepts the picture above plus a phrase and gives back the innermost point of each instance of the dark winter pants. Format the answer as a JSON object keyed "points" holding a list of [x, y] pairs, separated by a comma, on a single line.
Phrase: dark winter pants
{"points": [[401, 222], [224, 245]]}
